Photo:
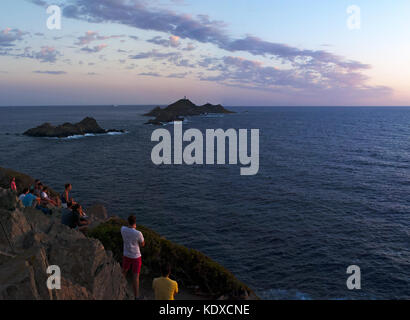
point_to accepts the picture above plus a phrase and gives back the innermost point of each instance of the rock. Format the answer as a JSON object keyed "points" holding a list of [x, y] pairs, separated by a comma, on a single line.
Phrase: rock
{"points": [[86, 126], [154, 112], [165, 117], [183, 108], [38, 241], [97, 213], [8, 199]]}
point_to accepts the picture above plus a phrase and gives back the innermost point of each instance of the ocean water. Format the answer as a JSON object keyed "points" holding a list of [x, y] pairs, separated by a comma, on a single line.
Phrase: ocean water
{"points": [[333, 190]]}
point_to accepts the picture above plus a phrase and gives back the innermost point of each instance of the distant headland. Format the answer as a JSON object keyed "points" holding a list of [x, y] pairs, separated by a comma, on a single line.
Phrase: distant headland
{"points": [[86, 126], [183, 108]]}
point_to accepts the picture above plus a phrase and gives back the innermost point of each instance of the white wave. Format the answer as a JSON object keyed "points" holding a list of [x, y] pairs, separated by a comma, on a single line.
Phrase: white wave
{"points": [[116, 133], [74, 137]]}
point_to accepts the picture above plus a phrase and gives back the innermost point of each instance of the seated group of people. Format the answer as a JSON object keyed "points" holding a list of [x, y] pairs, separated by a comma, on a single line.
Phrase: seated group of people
{"points": [[38, 196]]}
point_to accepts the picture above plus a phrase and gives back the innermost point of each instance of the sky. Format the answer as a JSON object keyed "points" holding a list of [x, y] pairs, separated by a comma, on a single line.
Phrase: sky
{"points": [[233, 52]]}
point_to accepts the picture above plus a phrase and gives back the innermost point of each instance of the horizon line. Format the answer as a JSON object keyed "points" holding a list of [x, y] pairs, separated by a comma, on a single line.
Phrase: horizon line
{"points": [[229, 106]]}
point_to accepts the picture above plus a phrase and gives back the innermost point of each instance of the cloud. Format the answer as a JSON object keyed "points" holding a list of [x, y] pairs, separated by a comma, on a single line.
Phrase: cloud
{"points": [[200, 28], [55, 73], [46, 54], [178, 75], [173, 41], [305, 69], [150, 74], [91, 36], [95, 49], [155, 54], [190, 47], [174, 58], [9, 36], [251, 74]]}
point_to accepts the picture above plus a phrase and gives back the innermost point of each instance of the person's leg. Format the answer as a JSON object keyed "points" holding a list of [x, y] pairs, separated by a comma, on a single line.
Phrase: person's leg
{"points": [[125, 266], [136, 284], [136, 278]]}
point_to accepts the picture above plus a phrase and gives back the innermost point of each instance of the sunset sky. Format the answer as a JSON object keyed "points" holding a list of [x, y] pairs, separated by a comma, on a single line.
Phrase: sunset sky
{"points": [[234, 52]]}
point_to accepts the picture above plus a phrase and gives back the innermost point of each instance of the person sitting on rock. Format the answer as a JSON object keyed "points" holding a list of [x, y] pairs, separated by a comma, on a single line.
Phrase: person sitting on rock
{"points": [[67, 216], [78, 218], [65, 197], [133, 240], [164, 287], [23, 195], [30, 200], [46, 200], [38, 188], [13, 186]]}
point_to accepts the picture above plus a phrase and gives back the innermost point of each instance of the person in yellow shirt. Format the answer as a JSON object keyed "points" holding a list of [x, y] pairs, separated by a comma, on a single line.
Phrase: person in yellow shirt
{"points": [[164, 287]]}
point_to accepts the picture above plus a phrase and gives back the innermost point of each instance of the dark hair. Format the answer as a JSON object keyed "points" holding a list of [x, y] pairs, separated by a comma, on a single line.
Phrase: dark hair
{"points": [[45, 189], [165, 269], [76, 207], [25, 190], [69, 204], [67, 185], [132, 220]]}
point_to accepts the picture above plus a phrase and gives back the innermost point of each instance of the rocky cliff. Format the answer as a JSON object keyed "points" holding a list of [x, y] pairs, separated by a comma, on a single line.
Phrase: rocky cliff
{"points": [[31, 241]]}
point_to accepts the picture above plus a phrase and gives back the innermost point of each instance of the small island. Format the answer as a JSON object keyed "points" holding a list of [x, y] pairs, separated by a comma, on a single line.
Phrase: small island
{"points": [[86, 126], [183, 108]]}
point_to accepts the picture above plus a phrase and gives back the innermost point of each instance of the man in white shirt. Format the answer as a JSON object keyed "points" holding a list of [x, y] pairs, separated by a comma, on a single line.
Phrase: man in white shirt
{"points": [[132, 239]]}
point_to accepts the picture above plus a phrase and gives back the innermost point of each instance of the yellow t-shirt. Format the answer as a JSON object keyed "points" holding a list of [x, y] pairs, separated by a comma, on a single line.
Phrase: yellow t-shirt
{"points": [[164, 288]]}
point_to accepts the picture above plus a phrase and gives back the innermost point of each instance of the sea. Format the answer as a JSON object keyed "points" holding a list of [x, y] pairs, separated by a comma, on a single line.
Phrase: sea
{"points": [[333, 191]]}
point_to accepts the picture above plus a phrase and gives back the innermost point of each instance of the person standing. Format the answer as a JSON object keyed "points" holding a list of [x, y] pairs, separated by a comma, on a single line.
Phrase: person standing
{"points": [[164, 287], [133, 240], [13, 186]]}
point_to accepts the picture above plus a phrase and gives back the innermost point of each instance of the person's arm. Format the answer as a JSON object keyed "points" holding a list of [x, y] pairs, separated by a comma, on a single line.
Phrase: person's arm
{"points": [[36, 202], [142, 240]]}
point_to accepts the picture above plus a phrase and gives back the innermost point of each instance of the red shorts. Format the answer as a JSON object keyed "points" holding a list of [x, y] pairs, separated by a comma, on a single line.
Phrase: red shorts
{"points": [[127, 263]]}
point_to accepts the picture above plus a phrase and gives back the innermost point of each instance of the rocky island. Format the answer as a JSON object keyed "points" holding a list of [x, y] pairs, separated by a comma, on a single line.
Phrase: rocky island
{"points": [[183, 108], [30, 242], [86, 126]]}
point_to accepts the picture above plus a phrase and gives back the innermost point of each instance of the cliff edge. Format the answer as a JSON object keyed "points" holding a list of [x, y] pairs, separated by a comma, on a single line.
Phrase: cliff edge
{"points": [[30, 242]]}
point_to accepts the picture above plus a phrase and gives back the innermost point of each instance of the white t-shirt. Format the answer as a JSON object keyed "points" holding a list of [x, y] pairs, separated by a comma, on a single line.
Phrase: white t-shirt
{"points": [[132, 239], [44, 196]]}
